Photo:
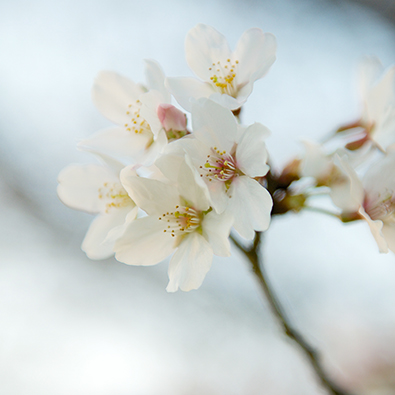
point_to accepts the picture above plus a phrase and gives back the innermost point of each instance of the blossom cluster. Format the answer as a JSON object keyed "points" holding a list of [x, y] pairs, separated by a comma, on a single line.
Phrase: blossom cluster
{"points": [[164, 187], [178, 170]]}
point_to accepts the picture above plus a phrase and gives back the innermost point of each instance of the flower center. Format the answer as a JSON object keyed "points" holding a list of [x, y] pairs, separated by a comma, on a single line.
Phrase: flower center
{"points": [[137, 123], [114, 195], [183, 220], [223, 77], [220, 166], [381, 207]]}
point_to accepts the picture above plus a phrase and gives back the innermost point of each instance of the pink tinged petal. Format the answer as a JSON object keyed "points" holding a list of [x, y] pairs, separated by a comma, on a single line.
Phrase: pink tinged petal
{"points": [[118, 142], [388, 232], [204, 46], [216, 229], [191, 187], [79, 186], [251, 154], [376, 229], [347, 194], [144, 243], [112, 94], [156, 78], [186, 88], [171, 117], [251, 205], [190, 263], [214, 125], [153, 196], [256, 52], [95, 244]]}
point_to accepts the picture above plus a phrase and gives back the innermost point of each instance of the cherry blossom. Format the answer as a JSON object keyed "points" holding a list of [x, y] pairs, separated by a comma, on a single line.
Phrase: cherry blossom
{"points": [[180, 220], [371, 199], [97, 189], [226, 77], [228, 159], [139, 135]]}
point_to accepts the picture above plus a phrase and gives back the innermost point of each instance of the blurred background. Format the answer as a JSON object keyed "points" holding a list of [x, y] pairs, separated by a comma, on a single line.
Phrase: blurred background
{"points": [[69, 325]]}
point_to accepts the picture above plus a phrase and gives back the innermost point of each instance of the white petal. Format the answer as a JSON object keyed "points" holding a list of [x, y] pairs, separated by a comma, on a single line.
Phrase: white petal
{"points": [[368, 73], [156, 78], [191, 187], [315, 163], [216, 229], [203, 46], [144, 243], [79, 186], [348, 194], [214, 125], [388, 232], [218, 196], [251, 152], [186, 88], [190, 263], [112, 93], [251, 205], [150, 102], [95, 244], [226, 101], [380, 178], [118, 142], [376, 229], [153, 196], [256, 52]]}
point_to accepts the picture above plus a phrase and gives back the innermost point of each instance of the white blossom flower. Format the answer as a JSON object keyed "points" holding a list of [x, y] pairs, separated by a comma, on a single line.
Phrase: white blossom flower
{"points": [[179, 218], [139, 135], [372, 199], [378, 94], [228, 158], [227, 77], [97, 189]]}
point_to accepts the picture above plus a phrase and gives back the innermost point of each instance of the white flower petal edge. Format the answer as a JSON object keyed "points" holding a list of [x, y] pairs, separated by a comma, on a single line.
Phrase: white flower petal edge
{"points": [[139, 136], [97, 189], [179, 217], [96, 244], [373, 199], [223, 72], [347, 193], [190, 263], [251, 205]]}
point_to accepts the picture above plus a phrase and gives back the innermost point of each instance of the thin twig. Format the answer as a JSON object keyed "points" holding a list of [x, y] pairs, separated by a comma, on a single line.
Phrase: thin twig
{"points": [[314, 357]]}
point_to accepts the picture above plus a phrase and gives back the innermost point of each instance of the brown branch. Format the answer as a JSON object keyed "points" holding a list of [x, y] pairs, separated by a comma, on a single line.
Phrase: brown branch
{"points": [[313, 356]]}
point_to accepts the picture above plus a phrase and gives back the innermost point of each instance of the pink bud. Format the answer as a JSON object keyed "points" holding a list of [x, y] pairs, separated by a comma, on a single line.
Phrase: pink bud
{"points": [[171, 117]]}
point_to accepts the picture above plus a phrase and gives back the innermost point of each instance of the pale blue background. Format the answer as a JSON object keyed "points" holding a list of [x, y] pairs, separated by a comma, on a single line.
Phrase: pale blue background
{"points": [[69, 325]]}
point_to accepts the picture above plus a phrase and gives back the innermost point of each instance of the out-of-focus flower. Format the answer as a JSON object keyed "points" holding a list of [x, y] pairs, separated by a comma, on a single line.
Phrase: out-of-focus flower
{"points": [[377, 122], [372, 199], [227, 77], [228, 158], [179, 219], [139, 136], [97, 189], [315, 163]]}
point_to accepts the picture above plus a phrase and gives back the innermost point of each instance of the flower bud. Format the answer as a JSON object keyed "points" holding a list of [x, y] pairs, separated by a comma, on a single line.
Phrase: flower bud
{"points": [[171, 118]]}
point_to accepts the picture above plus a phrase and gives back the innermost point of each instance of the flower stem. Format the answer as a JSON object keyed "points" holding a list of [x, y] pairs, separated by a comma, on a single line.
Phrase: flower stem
{"points": [[312, 355]]}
